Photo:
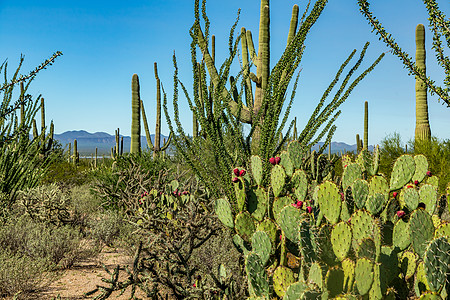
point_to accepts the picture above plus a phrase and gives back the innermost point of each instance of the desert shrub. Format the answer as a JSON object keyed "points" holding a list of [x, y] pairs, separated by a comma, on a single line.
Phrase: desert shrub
{"points": [[21, 275], [106, 227], [66, 173], [60, 246]]}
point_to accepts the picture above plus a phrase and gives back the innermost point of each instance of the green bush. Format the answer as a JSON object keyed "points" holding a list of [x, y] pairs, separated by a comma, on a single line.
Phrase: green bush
{"points": [[106, 227], [21, 275], [60, 246]]}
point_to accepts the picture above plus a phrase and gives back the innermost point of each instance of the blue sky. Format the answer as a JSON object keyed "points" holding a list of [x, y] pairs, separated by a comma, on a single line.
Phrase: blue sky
{"points": [[105, 42]]}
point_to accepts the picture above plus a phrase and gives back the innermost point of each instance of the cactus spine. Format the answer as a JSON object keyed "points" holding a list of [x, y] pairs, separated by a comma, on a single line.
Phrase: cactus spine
{"points": [[423, 131], [135, 116]]}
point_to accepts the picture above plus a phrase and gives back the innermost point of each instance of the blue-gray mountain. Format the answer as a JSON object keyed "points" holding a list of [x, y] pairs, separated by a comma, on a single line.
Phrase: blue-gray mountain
{"points": [[87, 142]]}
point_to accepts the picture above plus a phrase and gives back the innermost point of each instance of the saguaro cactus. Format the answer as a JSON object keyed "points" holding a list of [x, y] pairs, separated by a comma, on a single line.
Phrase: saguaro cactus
{"points": [[156, 147], [366, 126], [423, 131], [135, 116]]}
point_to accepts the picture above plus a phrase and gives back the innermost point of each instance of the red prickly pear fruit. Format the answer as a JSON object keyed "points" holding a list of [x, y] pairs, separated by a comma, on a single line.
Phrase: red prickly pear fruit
{"points": [[395, 194], [401, 214], [429, 173], [309, 209], [277, 160], [409, 186], [235, 179], [416, 182], [281, 237], [179, 194], [299, 204], [242, 172], [236, 171], [272, 161], [342, 196]]}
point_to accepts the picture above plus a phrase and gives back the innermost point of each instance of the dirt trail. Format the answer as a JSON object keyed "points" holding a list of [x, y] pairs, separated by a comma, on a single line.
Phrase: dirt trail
{"points": [[84, 276]]}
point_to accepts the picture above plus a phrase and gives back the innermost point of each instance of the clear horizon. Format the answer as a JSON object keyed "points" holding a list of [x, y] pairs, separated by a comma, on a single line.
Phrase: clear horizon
{"points": [[105, 43]]}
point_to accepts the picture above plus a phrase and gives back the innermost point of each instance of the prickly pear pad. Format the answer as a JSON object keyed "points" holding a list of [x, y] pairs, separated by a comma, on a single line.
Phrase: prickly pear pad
{"points": [[421, 168], [290, 218], [329, 201], [283, 277], [244, 225], [436, 262], [257, 169], [300, 184], [341, 239], [278, 179], [421, 229], [287, 163], [428, 196], [364, 275], [262, 246], [295, 291], [360, 192], [409, 198], [348, 266], [351, 172], [363, 226], [257, 275], [402, 172], [224, 213], [401, 237], [258, 199], [315, 275]]}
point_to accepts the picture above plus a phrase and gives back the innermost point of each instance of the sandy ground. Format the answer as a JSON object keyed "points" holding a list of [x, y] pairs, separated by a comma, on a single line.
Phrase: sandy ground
{"points": [[84, 276]]}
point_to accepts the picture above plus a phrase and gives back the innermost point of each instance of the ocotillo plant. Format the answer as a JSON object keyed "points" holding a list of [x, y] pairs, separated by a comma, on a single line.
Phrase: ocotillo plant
{"points": [[423, 131], [156, 148], [217, 117], [135, 116]]}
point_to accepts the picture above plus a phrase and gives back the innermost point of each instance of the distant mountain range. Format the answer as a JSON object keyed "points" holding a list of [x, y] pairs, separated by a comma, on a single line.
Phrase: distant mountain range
{"points": [[87, 142]]}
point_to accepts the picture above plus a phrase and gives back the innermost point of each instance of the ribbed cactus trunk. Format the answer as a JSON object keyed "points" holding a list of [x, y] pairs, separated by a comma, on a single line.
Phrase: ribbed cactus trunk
{"points": [[263, 69], [423, 131], [135, 116], [157, 144], [366, 126]]}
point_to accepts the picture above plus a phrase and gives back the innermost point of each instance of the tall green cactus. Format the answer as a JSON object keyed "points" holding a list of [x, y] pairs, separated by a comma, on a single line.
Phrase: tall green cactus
{"points": [[366, 126], [156, 148], [423, 131], [46, 141], [135, 115]]}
